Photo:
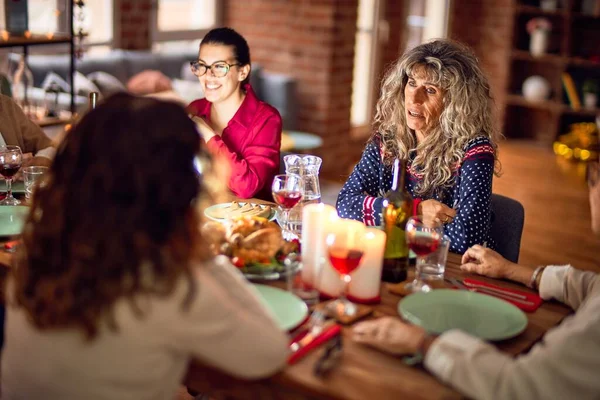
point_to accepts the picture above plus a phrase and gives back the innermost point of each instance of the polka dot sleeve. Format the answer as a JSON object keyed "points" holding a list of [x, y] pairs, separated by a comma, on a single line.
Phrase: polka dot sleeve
{"points": [[472, 198], [360, 198]]}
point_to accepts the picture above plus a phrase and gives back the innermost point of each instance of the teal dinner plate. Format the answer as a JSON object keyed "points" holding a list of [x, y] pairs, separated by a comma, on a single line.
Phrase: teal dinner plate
{"points": [[288, 309], [12, 219], [209, 210], [18, 187], [483, 316]]}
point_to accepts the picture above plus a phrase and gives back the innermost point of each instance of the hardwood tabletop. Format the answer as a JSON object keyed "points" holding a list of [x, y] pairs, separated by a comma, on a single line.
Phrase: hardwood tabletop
{"points": [[362, 372]]}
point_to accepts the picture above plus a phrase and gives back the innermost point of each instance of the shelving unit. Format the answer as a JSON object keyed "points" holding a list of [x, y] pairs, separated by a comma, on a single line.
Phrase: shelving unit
{"points": [[573, 47], [43, 40]]}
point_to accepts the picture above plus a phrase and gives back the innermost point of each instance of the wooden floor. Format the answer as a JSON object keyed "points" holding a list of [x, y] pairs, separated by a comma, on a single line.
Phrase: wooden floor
{"points": [[555, 197]]}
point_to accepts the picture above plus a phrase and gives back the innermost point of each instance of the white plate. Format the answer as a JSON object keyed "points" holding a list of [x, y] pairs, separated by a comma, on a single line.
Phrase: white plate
{"points": [[208, 210]]}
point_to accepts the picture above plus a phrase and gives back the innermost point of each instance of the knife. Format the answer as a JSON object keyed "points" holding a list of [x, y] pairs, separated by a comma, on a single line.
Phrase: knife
{"points": [[495, 292]]}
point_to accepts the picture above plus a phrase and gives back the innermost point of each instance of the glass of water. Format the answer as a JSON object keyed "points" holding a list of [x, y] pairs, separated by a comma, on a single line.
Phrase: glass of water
{"points": [[32, 177], [431, 271]]}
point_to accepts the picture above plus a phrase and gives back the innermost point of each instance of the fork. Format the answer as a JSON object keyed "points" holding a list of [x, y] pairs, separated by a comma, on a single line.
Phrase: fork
{"points": [[313, 327]]}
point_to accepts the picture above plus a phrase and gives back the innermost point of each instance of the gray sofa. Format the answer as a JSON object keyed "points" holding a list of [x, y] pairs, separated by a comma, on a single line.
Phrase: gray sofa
{"points": [[275, 89]]}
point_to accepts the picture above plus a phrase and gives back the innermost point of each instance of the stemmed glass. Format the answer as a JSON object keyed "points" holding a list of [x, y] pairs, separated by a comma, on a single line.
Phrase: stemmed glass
{"points": [[423, 238], [11, 159], [345, 247], [287, 191]]}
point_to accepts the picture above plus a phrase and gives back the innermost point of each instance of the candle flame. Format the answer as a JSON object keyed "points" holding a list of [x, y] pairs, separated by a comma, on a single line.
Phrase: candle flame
{"points": [[5, 35], [27, 34]]}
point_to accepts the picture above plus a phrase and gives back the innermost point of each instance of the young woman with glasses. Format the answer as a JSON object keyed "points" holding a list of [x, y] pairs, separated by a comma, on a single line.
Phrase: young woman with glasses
{"points": [[234, 123]]}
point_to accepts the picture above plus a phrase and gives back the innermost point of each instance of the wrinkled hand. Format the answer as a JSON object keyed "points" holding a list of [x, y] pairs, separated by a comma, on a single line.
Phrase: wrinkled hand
{"points": [[205, 130], [484, 261], [433, 209], [390, 335]]}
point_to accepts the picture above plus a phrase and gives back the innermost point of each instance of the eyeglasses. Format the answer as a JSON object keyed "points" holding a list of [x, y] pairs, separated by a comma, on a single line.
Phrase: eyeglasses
{"points": [[593, 173], [218, 69]]}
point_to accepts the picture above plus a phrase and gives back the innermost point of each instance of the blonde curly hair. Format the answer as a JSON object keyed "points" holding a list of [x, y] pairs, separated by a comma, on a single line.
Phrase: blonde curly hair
{"points": [[467, 111]]}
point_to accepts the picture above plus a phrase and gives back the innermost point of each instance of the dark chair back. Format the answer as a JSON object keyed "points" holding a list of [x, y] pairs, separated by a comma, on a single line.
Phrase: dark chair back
{"points": [[507, 226]]}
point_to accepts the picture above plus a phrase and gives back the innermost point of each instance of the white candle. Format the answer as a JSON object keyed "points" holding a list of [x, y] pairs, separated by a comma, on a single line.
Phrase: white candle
{"points": [[366, 279], [315, 219], [330, 282]]}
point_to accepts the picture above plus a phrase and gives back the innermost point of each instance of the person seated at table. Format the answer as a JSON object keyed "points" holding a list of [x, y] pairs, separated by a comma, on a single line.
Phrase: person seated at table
{"points": [[234, 123], [435, 110], [16, 129], [114, 292], [563, 365]]}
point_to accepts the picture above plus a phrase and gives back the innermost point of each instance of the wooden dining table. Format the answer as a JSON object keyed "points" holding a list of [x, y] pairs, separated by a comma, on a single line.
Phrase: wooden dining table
{"points": [[363, 372]]}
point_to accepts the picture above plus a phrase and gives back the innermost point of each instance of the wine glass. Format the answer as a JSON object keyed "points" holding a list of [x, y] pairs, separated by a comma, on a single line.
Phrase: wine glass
{"points": [[423, 237], [345, 247], [11, 159], [287, 191]]}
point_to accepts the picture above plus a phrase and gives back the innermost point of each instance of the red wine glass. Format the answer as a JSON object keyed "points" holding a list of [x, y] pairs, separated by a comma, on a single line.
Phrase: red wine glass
{"points": [[287, 191], [11, 160], [423, 237], [345, 248]]}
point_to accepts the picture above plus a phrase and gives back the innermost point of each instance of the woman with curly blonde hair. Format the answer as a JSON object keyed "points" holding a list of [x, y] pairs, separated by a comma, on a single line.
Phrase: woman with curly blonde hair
{"points": [[435, 110], [113, 292]]}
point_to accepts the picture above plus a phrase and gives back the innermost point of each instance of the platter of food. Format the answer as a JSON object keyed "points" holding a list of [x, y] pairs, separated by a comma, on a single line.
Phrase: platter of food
{"points": [[254, 245], [235, 209]]}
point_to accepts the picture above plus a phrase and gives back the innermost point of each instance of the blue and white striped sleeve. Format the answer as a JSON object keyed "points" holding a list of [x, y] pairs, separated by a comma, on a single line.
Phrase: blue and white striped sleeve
{"points": [[359, 199]]}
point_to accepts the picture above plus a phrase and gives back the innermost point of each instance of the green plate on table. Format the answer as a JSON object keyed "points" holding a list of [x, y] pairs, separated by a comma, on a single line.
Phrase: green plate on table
{"points": [[483, 316], [18, 187], [12, 219], [289, 310]]}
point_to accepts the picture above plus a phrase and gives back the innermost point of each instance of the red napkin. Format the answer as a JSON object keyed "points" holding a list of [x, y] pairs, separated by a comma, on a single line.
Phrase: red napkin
{"points": [[532, 297], [12, 244], [328, 333]]}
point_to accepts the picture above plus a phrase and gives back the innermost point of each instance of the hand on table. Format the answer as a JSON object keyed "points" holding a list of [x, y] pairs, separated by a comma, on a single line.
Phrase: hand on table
{"points": [[483, 261], [390, 335], [433, 209]]}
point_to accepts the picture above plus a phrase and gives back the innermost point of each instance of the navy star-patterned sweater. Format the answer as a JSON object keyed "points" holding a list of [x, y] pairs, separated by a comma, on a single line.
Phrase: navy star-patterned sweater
{"points": [[361, 197]]}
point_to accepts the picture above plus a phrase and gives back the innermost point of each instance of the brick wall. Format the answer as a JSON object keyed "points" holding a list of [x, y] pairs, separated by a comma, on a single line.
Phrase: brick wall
{"points": [[312, 40], [133, 29], [489, 32]]}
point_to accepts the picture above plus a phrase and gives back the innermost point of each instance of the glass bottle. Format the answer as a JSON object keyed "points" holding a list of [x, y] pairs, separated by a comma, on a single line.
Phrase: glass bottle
{"points": [[396, 209]]}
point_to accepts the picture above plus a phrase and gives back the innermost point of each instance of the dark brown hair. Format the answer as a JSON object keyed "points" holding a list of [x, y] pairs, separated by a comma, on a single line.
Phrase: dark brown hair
{"points": [[115, 218]]}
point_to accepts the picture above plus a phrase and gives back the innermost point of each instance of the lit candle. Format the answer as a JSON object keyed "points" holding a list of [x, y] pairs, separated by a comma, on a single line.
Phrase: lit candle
{"points": [[366, 280], [330, 282], [315, 219]]}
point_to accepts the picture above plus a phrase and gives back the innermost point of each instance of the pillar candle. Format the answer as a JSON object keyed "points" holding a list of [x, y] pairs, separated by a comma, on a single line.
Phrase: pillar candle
{"points": [[315, 219], [330, 282], [366, 279]]}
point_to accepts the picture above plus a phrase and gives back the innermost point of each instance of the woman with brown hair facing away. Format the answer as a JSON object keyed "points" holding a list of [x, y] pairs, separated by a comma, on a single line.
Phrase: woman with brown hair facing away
{"points": [[113, 292]]}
